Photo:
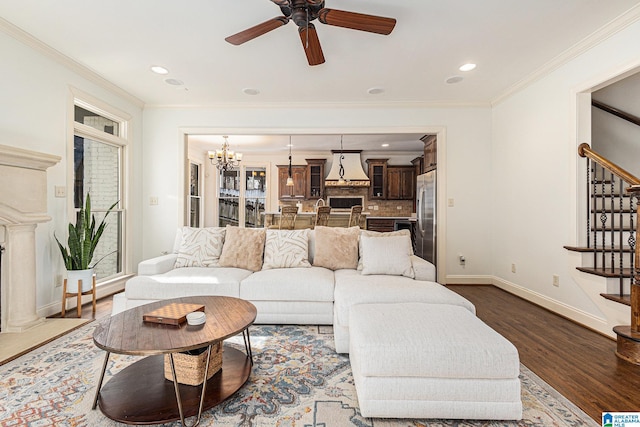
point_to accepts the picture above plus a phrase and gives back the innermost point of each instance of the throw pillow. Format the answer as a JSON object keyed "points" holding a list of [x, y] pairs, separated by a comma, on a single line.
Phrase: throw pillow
{"points": [[286, 249], [336, 247], [387, 255], [200, 247], [382, 234], [243, 248]]}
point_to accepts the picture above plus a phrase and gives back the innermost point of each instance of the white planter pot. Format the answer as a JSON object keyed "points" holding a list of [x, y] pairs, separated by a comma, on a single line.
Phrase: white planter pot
{"points": [[74, 275]]}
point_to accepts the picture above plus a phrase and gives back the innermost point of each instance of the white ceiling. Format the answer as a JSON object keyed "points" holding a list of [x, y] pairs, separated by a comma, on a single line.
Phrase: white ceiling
{"points": [[511, 41]]}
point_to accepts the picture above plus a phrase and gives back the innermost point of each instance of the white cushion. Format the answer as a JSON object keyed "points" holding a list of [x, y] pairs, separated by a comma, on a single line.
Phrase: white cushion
{"points": [[386, 255], [286, 249], [289, 284], [428, 340], [187, 281], [200, 247], [371, 233], [353, 288]]}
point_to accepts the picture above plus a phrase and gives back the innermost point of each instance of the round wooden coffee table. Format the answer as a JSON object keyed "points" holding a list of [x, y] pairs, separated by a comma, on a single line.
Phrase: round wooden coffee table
{"points": [[140, 394]]}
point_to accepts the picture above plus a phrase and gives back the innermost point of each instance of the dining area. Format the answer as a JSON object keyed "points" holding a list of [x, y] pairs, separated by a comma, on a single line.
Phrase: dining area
{"points": [[290, 217]]}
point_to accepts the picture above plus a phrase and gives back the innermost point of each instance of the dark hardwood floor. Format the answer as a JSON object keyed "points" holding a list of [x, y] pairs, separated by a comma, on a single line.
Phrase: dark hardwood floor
{"points": [[577, 362]]}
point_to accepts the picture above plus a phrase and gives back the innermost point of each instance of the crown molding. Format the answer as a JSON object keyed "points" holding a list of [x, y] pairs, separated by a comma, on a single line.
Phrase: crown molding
{"points": [[608, 30], [322, 105], [85, 72]]}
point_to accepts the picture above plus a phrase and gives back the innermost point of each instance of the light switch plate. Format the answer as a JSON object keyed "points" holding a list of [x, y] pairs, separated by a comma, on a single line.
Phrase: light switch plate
{"points": [[60, 191]]}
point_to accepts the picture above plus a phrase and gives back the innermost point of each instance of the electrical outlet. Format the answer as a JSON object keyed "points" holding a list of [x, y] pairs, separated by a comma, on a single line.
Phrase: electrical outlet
{"points": [[556, 280], [59, 279], [375, 208], [513, 268]]}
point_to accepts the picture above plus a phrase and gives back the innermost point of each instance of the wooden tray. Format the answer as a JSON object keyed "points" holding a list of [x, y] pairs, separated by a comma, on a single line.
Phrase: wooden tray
{"points": [[172, 314]]}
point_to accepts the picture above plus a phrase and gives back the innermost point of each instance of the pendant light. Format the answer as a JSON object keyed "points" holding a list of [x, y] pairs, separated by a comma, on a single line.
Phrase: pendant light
{"points": [[290, 178], [341, 181]]}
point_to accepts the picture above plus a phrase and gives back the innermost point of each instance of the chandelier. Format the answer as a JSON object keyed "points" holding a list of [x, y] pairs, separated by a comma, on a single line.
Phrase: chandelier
{"points": [[225, 159]]}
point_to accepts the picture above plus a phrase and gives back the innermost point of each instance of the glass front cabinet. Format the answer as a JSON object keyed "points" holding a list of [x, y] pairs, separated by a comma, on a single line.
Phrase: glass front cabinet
{"points": [[242, 196]]}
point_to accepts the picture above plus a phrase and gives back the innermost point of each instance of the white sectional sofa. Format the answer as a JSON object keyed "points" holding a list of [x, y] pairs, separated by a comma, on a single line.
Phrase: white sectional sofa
{"points": [[417, 349]]}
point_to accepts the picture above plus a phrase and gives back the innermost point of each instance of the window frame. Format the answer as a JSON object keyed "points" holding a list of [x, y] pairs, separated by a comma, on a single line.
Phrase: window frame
{"points": [[121, 141]]}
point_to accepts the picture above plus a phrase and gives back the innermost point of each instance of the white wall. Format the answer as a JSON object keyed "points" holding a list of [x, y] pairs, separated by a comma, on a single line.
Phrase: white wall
{"points": [[467, 167], [35, 103], [534, 181], [613, 137]]}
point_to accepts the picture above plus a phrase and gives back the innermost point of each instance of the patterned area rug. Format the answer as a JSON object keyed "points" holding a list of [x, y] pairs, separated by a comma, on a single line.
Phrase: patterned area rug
{"points": [[297, 381]]}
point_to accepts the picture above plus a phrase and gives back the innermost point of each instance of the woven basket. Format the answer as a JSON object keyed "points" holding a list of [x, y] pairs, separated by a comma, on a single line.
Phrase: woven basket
{"points": [[190, 367]]}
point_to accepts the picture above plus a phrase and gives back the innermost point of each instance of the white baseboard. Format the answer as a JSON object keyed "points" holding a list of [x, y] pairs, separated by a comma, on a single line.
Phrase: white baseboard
{"points": [[590, 321], [103, 290], [453, 279]]}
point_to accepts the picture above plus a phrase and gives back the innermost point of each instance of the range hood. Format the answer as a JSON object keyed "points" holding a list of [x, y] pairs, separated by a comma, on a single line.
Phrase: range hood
{"points": [[354, 175]]}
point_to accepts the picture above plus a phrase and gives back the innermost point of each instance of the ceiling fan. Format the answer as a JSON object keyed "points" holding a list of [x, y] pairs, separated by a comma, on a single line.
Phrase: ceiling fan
{"points": [[302, 12]]}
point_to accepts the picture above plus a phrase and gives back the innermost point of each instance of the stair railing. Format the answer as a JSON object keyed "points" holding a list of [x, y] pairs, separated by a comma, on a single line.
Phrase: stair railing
{"points": [[612, 195]]}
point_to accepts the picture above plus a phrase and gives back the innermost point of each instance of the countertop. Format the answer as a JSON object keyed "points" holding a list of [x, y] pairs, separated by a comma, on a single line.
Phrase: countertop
{"points": [[404, 218], [347, 213]]}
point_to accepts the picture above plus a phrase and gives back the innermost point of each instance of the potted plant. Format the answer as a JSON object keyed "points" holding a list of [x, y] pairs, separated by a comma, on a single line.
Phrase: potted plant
{"points": [[82, 241]]}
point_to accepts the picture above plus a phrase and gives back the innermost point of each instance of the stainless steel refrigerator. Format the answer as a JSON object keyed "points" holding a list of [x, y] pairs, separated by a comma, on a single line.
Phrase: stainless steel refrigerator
{"points": [[426, 216]]}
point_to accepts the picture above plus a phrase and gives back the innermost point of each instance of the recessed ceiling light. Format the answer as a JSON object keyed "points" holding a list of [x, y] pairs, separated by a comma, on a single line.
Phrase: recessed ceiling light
{"points": [[375, 90], [467, 67], [174, 82], [453, 79], [250, 91], [159, 70], [385, 145]]}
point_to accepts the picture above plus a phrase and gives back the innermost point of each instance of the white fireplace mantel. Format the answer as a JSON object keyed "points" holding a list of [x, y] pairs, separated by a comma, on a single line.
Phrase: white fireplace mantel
{"points": [[23, 204]]}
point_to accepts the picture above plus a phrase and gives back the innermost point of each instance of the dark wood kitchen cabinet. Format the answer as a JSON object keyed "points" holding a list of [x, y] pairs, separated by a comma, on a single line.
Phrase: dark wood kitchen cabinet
{"points": [[315, 178], [377, 178], [299, 175], [401, 182], [430, 152]]}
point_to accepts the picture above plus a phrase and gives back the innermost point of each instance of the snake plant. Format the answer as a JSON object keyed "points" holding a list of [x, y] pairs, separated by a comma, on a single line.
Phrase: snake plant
{"points": [[83, 238]]}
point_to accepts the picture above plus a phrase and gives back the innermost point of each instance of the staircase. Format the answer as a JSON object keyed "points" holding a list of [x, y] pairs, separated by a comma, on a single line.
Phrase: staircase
{"points": [[611, 252]]}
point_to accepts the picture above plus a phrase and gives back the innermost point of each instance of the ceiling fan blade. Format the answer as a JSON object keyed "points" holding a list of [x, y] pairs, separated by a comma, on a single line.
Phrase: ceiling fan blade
{"points": [[357, 21], [311, 44], [257, 31]]}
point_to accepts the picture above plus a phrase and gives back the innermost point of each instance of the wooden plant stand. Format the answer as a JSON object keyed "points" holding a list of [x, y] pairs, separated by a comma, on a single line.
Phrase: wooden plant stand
{"points": [[79, 295]]}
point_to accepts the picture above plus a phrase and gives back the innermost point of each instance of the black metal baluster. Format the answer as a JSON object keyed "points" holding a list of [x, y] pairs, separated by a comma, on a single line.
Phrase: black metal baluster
{"points": [[620, 237], [594, 199], [590, 203], [603, 218], [613, 222]]}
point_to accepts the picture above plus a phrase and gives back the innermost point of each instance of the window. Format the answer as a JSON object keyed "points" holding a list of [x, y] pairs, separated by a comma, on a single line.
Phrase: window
{"points": [[99, 144], [241, 202], [195, 198]]}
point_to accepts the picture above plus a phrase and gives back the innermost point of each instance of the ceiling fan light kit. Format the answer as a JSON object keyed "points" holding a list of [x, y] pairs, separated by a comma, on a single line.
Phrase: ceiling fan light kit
{"points": [[302, 12]]}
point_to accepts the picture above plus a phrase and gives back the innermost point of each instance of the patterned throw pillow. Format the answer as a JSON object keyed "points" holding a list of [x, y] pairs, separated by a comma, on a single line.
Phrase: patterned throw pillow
{"points": [[243, 248], [370, 233], [387, 255], [286, 249], [200, 247], [336, 247]]}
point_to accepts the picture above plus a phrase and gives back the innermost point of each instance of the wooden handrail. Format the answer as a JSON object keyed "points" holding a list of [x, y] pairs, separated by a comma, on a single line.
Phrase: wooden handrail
{"points": [[616, 112], [584, 150]]}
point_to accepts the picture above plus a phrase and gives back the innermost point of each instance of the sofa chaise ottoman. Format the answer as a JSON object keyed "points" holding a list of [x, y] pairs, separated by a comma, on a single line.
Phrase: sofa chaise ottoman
{"points": [[416, 360]]}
